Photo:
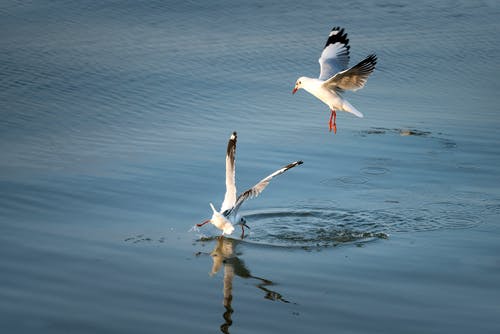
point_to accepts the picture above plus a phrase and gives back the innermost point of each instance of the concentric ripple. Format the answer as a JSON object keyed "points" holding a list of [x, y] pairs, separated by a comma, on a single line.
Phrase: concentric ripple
{"points": [[374, 170], [311, 228], [345, 181]]}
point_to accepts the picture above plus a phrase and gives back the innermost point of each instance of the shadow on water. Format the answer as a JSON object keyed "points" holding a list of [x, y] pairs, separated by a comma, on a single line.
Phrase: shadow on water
{"points": [[224, 256]]}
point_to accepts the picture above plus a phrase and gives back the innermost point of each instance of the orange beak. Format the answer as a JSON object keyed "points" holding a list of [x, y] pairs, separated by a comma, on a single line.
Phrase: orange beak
{"points": [[294, 90]]}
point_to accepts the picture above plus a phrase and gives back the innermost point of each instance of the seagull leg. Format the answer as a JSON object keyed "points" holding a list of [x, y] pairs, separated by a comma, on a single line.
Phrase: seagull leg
{"points": [[333, 121], [243, 225], [205, 222]]}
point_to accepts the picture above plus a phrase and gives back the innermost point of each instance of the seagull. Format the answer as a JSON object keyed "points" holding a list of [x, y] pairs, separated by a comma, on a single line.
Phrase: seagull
{"points": [[335, 77], [228, 214]]}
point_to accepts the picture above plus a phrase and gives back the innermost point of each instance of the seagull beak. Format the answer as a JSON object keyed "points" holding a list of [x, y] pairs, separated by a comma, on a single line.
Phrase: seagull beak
{"points": [[294, 90]]}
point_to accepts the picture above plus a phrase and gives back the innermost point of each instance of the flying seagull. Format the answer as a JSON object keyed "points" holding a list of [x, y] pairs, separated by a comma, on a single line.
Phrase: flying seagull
{"points": [[335, 77], [228, 214]]}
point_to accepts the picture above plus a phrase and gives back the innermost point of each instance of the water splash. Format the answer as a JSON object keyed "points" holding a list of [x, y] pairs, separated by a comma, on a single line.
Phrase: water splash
{"points": [[307, 228]]}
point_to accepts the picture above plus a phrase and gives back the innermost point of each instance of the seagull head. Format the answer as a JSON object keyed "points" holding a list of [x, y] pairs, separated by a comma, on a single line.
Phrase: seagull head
{"points": [[298, 85]]}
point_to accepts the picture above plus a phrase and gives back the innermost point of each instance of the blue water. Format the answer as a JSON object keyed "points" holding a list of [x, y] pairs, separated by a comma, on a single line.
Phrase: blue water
{"points": [[115, 118]]}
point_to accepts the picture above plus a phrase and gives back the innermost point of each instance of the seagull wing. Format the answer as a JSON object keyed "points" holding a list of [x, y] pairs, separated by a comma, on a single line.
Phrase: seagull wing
{"points": [[353, 78], [259, 187], [230, 197], [335, 55]]}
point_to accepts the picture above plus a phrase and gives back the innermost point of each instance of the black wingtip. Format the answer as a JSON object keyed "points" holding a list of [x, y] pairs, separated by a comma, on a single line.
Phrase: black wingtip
{"points": [[373, 58], [231, 146], [367, 65], [234, 136], [292, 164], [339, 37], [339, 29]]}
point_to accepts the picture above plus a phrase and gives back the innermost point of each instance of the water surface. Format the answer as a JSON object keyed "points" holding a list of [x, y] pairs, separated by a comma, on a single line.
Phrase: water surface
{"points": [[115, 119]]}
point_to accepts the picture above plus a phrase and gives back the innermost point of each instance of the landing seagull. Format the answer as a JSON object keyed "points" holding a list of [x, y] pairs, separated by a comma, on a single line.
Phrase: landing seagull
{"points": [[228, 214], [335, 77]]}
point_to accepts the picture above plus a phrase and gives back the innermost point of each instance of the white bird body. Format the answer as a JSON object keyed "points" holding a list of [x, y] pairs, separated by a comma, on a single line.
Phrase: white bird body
{"points": [[227, 217], [335, 77], [328, 96], [221, 222]]}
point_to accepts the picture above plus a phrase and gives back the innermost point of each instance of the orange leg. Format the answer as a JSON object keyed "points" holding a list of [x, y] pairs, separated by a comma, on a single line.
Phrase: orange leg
{"points": [[243, 225], [333, 121], [205, 222]]}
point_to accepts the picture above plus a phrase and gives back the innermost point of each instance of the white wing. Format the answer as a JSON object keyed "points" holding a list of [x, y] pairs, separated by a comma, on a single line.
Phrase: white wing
{"points": [[259, 187], [353, 78], [230, 197], [335, 55]]}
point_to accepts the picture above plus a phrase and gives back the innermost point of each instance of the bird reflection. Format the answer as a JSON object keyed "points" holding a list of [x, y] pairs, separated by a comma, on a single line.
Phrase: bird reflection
{"points": [[224, 255]]}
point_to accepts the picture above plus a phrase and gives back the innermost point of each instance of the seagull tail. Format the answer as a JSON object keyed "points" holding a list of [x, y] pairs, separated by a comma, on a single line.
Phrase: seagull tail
{"points": [[349, 108], [213, 209]]}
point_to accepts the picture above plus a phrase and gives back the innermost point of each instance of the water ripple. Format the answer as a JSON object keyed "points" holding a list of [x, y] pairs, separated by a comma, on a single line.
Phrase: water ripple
{"points": [[374, 170], [324, 225], [308, 228]]}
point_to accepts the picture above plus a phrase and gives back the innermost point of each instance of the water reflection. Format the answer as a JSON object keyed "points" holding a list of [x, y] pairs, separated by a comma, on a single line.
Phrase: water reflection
{"points": [[224, 256]]}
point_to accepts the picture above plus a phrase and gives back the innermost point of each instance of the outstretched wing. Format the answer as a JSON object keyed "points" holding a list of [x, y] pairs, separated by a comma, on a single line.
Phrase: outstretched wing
{"points": [[230, 197], [259, 187], [335, 55], [353, 78]]}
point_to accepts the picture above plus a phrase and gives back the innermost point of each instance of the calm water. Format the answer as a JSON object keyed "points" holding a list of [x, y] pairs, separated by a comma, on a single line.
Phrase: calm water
{"points": [[114, 123]]}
